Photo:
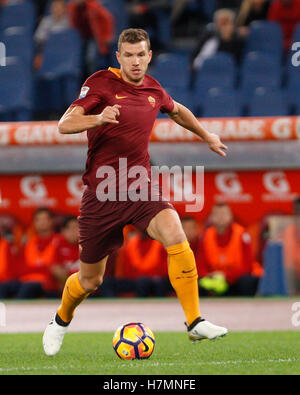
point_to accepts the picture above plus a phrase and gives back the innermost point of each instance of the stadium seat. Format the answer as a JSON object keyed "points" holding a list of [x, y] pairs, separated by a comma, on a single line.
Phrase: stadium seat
{"points": [[183, 96], [266, 102], [18, 43], [15, 91], [172, 70], [118, 9], [259, 70], [18, 14], [296, 33], [218, 71], [208, 8], [62, 53], [59, 75], [265, 37], [220, 103], [273, 281], [292, 73]]}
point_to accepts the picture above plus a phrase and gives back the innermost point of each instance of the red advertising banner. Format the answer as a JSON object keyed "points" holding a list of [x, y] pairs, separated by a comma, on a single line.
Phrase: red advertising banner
{"points": [[251, 194], [164, 130]]}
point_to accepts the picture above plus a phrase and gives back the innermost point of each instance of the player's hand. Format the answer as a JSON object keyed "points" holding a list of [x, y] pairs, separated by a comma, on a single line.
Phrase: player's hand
{"points": [[215, 144], [109, 115]]}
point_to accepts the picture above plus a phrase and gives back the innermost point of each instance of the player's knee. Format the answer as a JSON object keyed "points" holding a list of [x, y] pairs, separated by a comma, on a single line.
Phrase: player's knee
{"points": [[91, 284], [175, 238]]}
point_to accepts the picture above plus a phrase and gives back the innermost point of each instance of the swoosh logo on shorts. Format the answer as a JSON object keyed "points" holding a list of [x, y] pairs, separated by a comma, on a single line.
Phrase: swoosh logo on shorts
{"points": [[121, 97]]}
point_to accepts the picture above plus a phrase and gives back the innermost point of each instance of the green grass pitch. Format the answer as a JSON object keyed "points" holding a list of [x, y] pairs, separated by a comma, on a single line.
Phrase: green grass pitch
{"points": [[92, 354]]}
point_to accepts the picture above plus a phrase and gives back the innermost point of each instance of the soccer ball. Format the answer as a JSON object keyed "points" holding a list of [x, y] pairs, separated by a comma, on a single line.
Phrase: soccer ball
{"points": [[133, 341]]}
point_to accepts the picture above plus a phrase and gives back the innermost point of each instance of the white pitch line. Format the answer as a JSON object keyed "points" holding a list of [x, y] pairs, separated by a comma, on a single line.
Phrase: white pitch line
{"points": [[155, 364]]}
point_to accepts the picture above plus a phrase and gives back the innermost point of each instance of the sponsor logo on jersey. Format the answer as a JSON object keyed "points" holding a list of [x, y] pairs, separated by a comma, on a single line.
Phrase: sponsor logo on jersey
{"points": [[121, 97], [151, 101]]}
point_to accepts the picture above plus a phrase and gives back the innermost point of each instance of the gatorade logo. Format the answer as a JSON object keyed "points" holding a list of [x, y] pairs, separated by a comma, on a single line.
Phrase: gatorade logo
{"points": [[33, 187], [277, 186], [228, 183], [35, 192], [231, 189], [276, 182]]}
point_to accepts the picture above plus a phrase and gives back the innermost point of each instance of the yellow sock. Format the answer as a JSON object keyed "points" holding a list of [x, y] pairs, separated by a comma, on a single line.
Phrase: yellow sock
{"points": [[184, 278], [73, 295]]}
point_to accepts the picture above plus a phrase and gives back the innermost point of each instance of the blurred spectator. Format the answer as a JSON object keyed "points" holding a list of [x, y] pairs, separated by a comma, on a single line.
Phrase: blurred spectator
{"points": [[222, 36], [66, 259], [144, 267], [142, 14], [287, 14], [227, 264], [191, 229], [95, 24], [9, 263], [39, 254], [291, 246], [250, 11], [55, 22]]}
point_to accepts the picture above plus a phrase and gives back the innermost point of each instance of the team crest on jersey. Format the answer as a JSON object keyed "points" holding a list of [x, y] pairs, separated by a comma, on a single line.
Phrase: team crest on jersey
{"points": [[151, 101], [83, 92]]}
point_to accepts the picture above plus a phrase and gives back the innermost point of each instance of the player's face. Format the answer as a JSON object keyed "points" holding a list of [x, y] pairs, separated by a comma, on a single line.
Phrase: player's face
{"points": [[134, 60]]}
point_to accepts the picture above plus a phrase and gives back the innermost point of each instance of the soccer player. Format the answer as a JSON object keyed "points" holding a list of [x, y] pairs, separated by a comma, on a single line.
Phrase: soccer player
{"points": [[118, 108]]}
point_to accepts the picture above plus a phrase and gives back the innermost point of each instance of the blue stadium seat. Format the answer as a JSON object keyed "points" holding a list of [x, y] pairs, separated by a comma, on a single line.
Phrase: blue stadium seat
{"points": [[274, 280], [292, 73], [259, 70], [118, 9], [265, 37], [15, 91], [183, 96], [208, 8], [164, 27], [296, 33], [18, 43], [268, 102], [18, 14], [218, 71], [62, 55], [59, 75], [172, 70], [220, 103]]}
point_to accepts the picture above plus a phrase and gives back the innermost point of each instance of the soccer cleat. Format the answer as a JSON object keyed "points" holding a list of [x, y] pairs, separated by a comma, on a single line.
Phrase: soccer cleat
{"points": [[201, 329], [53, 337]]}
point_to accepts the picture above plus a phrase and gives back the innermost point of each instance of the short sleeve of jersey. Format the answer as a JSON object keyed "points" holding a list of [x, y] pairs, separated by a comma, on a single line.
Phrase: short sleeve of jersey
{"points": [[89, 96], [167, 103]]}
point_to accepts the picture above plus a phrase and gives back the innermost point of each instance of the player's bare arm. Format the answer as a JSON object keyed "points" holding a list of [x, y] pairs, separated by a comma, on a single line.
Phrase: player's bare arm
{"points": [[185, 118], [74, 119]]}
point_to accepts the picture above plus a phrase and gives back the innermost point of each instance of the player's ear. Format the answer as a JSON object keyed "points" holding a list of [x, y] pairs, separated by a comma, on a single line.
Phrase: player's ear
{"points": [[118, 56], [150, 55]]}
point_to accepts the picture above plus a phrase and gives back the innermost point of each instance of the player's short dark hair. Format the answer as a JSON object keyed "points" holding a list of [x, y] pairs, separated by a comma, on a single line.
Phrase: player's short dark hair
{"points": [[133, 36]]}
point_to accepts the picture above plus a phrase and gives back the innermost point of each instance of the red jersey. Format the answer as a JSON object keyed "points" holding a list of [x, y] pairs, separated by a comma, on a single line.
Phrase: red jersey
{"points": [[130, 137], [67, 255]]}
